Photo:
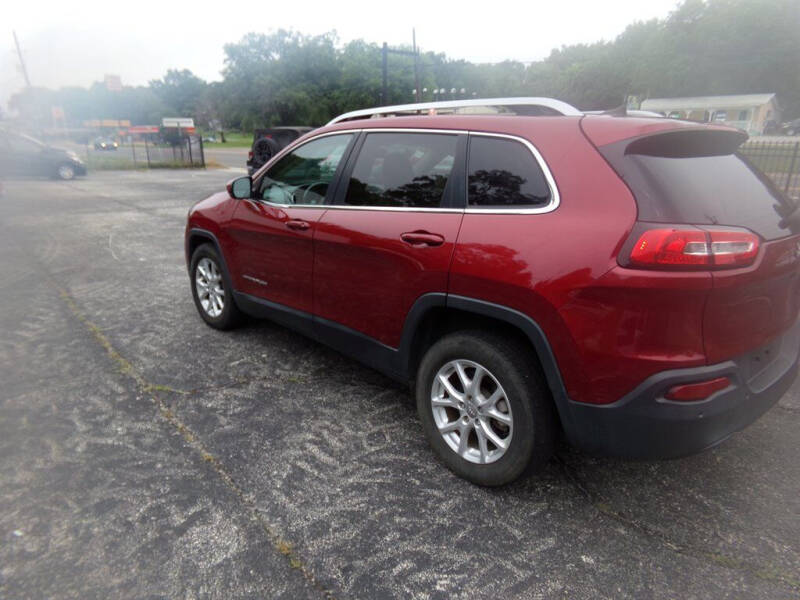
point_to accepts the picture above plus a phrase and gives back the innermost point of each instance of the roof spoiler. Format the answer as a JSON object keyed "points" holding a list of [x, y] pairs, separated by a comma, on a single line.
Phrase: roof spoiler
{"points": [[681, 143], [624, 111], [619, 111]]}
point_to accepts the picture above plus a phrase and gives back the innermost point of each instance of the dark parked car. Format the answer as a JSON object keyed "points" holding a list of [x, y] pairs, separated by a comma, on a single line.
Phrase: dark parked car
{"points": [[629, 283], [792, 127], [23, 155], [105, 143], [268, 142]]}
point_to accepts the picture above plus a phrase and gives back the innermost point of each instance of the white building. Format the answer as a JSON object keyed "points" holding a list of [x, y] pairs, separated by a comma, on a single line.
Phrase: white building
{"points": [[750, 112]]}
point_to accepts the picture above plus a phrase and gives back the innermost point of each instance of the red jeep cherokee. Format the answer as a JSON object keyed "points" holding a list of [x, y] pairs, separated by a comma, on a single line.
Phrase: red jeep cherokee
{"points": [[630, 282]]}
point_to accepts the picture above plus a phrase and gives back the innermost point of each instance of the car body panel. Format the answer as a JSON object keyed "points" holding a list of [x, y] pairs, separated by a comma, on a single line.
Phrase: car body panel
{"points": [[367, 278], [271, 260], [749, 307]]}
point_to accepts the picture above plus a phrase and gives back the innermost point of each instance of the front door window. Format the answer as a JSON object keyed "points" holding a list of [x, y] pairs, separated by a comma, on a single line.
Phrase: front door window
{"points": [[303, 176]]}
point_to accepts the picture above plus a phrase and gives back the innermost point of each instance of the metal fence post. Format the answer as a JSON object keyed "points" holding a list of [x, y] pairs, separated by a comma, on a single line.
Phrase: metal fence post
{"points": [[189, 143], [133, 151], [202, 153], [146, 151], [791, 172]]}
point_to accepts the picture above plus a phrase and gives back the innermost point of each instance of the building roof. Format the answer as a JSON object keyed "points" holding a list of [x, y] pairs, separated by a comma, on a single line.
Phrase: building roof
{"points": [[707, 102]]}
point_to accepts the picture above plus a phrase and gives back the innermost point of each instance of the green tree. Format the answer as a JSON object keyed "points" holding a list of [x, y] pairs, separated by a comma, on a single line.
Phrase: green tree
{"points": [[180, 91]]}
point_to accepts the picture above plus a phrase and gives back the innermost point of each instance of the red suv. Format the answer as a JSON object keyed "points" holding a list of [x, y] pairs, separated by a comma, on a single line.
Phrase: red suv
{"points": [[632, 283]]}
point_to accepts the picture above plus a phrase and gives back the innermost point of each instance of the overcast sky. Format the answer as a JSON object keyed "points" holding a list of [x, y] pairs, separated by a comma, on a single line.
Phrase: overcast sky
{"points": [[76, 43]]}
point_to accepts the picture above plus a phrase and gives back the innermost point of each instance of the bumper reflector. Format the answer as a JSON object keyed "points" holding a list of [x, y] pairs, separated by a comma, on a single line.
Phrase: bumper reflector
{"points": [[689, 392]]}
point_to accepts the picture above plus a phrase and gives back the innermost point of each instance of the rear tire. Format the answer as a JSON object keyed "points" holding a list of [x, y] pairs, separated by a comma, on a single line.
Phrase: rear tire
{"points": [[212, 290], [518, 427]]}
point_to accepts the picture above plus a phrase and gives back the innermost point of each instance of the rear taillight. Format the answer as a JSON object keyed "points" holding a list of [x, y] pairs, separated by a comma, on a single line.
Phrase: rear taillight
{"points": [[733, 248], [693, 248], [250, 155]]}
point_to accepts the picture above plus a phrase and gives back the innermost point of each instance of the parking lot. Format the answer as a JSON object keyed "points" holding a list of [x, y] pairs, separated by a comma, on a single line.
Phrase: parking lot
{"points": [[145, 455]]}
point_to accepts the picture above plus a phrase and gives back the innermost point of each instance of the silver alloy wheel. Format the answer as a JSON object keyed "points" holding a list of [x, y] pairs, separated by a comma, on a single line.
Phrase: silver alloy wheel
{"points": [[210, 292], [471, 411], [66, 172]]}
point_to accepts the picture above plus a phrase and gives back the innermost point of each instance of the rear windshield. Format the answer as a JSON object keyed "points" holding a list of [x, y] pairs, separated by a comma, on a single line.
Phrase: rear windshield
{"points": [[699, 179]]}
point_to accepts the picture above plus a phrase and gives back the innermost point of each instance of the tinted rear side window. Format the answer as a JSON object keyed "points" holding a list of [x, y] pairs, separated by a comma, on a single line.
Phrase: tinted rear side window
{"points": [[402, 170], [504, 173], [693, 180]]}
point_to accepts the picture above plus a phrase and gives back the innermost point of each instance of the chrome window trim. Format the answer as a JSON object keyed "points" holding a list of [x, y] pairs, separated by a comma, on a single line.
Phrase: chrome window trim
{"points": [[369, 130], [555, 198], [291, 148], [397, 208]]}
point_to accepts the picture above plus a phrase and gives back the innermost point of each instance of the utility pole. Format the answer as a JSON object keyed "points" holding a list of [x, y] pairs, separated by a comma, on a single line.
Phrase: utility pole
{"points": [[21, 60], [416, 62], [385, 68]]}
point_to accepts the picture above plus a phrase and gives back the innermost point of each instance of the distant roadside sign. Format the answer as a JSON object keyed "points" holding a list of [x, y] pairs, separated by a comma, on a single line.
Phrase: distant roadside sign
{"points": [[184, 123], [143, 129], [113, 83]]}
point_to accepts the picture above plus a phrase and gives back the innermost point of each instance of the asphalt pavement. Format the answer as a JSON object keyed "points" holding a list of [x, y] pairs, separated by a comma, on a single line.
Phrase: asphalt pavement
{"points": [[146, 455], [233, 158]]}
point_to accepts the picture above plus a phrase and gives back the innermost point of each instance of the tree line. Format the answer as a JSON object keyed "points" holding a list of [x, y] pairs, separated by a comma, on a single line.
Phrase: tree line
{"points": [[704, 47]]}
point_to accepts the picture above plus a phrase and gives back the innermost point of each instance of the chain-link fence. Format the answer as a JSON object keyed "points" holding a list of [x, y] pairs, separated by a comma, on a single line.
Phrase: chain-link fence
{"points": [[780, 161], [186, 152]]}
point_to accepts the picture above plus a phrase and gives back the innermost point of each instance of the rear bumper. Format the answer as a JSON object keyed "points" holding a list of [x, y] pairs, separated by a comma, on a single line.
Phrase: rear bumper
{"points": [[644, 424]]}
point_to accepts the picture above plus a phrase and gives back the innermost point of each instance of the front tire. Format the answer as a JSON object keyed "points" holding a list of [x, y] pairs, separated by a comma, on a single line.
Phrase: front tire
{"points": [[211, 289], [483, 405], [65, 172]]}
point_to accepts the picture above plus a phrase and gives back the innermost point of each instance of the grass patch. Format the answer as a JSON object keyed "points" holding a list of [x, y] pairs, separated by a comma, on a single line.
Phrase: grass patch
{"points": [[127, 165], [232, 140]]}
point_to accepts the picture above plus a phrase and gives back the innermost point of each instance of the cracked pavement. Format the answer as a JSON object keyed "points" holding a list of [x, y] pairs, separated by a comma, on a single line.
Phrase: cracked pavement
{"points": [[145, 455]]}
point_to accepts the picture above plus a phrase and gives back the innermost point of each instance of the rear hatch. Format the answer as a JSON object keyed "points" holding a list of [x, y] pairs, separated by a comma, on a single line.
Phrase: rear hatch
{"points": [[692, 180]]}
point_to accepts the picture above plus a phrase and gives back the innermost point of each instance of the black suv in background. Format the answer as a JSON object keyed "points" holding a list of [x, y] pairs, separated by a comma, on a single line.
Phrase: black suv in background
{"points": [[268, 142], [791, 128], [23, 155]]}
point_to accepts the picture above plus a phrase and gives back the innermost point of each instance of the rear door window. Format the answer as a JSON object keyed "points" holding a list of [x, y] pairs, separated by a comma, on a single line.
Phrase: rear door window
{"points": [[503, 173], [402, 170]]}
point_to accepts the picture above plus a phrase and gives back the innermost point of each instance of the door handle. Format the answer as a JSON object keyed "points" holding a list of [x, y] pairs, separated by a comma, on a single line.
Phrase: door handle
{"points": [[297, 224], [422, 238]]}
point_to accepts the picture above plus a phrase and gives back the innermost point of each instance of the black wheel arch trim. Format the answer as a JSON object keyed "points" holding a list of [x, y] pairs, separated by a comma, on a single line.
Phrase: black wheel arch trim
{"points": [[196, 232], [535, 335]]}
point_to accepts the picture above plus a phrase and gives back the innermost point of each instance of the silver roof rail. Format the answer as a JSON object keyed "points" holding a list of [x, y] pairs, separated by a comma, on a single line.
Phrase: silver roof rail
{"points": [[422, 107]]}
